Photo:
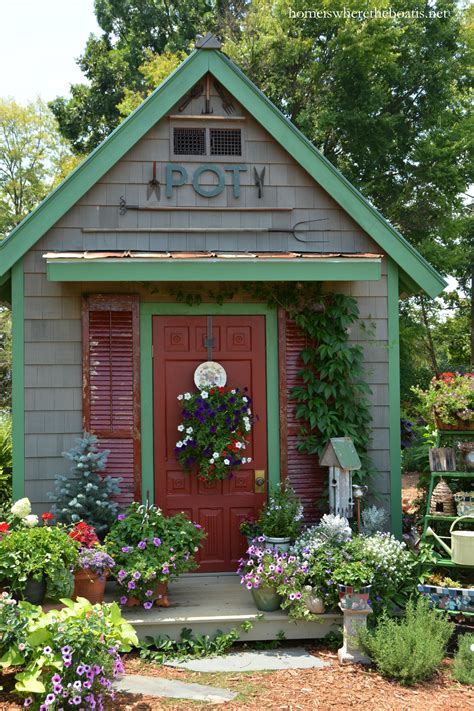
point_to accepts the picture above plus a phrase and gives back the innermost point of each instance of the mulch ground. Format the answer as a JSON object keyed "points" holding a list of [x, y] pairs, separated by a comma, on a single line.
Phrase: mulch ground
{"points": [[335, 687]]}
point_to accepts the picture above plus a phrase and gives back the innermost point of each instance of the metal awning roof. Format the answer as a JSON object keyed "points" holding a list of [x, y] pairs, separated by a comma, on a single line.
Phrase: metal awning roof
{"points": [[211, 266]]}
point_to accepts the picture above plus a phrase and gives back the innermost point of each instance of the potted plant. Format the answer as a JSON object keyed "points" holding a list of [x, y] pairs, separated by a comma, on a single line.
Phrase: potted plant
{"points": [[263, 572], [250, 529], [93, 565], [353, 583], [28, 557], [449, 400], [281, 517], [149, 548]]}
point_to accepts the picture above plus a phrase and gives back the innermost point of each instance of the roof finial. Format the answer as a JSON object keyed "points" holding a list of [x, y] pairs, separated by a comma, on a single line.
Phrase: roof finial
{"points": [[210, 41]]}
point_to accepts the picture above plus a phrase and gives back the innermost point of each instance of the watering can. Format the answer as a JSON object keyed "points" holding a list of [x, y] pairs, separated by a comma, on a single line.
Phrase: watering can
{"points": [[462, 543]]}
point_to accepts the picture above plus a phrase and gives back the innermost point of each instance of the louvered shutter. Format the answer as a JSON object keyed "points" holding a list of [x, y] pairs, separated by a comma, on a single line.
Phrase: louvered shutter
{"points": [[111, 392], [305, 475]]}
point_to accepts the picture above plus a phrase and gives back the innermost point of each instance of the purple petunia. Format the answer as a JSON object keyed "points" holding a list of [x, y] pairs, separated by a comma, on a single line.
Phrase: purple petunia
{"points": [[127, 549], [149, 593], [121, 517], [123, 600], [50, 699], [147, 605], [136, 575], [142, 545], [131, 585], [157, 541]]}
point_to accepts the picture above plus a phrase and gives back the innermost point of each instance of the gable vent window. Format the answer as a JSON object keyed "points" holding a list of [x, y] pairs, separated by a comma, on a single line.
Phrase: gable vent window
{"points": [[225, 141], [189, 141]]}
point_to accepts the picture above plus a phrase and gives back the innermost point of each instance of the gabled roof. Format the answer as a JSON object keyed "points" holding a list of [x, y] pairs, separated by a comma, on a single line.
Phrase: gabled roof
{"points": [[420, 275]]}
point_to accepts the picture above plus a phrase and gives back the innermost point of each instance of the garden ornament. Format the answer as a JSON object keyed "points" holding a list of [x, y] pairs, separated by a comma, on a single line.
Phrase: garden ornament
{"points": [[341, 457], [462, 543]]}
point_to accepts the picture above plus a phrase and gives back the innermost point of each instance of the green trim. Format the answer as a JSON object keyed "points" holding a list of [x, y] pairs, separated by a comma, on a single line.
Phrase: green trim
{"points": [[394, 400], [215, 270], [148, 310], [18, 380], [158, 105]]}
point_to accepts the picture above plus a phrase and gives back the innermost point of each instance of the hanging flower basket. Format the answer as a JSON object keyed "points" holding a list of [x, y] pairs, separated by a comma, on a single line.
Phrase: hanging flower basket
{"points": [[213, 430]]}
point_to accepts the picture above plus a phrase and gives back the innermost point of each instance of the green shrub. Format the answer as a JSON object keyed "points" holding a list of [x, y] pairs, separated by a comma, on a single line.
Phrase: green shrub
{"points": [[463, 667], [411, 649]]}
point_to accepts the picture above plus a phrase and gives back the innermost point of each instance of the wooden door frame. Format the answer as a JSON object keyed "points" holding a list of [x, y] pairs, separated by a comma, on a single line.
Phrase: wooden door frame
{"points": [[147, 311]]}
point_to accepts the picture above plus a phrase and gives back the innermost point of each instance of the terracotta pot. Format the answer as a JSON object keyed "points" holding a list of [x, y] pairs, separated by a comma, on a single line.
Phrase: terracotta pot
{"points": [[161, 592], [89, 585], [460, 425]]}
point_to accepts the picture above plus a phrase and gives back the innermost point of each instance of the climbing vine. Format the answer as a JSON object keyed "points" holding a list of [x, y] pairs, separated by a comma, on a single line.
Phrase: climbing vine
{"points": [[333, 400]]}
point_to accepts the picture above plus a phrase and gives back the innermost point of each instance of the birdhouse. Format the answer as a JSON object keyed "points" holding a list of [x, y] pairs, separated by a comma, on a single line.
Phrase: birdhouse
{"points": [[442, 500], [341, 457]]}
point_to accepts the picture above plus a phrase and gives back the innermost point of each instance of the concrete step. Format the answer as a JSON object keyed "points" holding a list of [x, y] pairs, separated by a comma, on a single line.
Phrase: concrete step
{"points": [[209, 603]]}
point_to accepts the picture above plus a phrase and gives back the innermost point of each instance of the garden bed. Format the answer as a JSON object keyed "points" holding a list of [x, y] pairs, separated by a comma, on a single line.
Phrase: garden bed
{"points": [[335, 687]]}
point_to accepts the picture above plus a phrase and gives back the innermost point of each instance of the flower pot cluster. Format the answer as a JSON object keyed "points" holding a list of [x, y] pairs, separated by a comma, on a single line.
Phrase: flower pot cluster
{"points": [[142, 551], [328, 568], [449, 401]]}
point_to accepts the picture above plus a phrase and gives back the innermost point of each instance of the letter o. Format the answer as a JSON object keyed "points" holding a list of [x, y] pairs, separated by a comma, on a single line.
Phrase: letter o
{"points": [[211, 191]]}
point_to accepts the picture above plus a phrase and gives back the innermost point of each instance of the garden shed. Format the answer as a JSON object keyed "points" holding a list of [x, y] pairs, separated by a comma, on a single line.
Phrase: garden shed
{"points": [[155, 255]]}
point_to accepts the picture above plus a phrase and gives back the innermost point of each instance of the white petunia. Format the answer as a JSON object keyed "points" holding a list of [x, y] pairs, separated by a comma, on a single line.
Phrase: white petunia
{"points": [[204, 394], [179, 444], [226, 461], [244, 461], [31, 520], [233, 392], [180, 428], [189, 430], [187, 396], [238, 445], [249, 411], [215, 455], [249, 459], [211, 461], [180, 397], [21, 508], [245, 399]]}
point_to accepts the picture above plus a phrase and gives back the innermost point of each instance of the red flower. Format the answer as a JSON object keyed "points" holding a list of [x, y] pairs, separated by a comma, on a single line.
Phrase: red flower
{"points": [[221, 391], [47, 516], [4, 527], [85, 534]]}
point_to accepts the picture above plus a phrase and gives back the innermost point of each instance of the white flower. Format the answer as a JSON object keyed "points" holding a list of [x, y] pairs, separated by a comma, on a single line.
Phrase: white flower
{"points": [[187, 396], [245, 399], [226, 461], [180, 428], [204, 394], [247, 426], [238, 445], [233, 392], [31, 520], [189, 430], [211, 461], [180, 397], [249, 411], [215, 455], [21, 508], [249, 459], [244, 461], [179, 444]]}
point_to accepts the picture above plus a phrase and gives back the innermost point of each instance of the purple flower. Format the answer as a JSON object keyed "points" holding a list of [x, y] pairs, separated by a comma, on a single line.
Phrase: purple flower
{"points": [[121, 517], [147, 605], [142, 545], [123, 600], [149, 593], [67, 663], [131, 585], [28, 701], [136, 575], [87, 684], [157, 541], [76, 700], [66, 650], [80, 669], [127, 549], [50, 699], [56, 679], [121, 574], [197, 525]]}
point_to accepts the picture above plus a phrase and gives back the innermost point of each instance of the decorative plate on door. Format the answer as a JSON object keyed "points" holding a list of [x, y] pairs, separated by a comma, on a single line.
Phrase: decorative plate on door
{"points": [[210, 373]]}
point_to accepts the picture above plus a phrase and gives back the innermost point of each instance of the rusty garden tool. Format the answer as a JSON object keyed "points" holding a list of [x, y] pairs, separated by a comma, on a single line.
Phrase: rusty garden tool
{"points": [[227, 104], [259, 180], [153, 185], [207, 102], [192, 94]]}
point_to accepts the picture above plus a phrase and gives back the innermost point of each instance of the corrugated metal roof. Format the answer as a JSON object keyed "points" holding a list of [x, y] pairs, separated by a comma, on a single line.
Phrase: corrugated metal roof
{"points": [[211, 255]]}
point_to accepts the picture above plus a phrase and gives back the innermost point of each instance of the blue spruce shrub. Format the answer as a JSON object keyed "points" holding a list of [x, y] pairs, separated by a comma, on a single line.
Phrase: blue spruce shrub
{"points": [[86, 495]]}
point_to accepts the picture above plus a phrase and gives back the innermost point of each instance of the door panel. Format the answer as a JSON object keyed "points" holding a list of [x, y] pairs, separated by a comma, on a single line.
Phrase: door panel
{"points": [[178, 348]]}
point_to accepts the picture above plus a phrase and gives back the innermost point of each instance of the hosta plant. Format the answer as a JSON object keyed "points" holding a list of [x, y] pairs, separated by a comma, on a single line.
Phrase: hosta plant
{"points": [[149, 547], [67, 657]]}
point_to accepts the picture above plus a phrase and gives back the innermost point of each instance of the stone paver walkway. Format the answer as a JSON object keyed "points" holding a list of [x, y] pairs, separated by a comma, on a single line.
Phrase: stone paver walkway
{"points": [[170, 688], [264, 660]]}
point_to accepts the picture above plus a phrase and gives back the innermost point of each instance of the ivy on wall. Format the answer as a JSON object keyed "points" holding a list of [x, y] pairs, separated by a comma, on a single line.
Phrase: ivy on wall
{"points": [[333, 400]]}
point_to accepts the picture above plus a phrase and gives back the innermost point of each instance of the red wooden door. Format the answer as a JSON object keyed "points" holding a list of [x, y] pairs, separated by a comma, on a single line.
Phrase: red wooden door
{"points": [[178, 348]]}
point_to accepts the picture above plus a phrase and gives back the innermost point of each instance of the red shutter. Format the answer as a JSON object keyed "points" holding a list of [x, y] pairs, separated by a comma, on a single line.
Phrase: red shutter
{"points": [[111, 393], [305, 475]]}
